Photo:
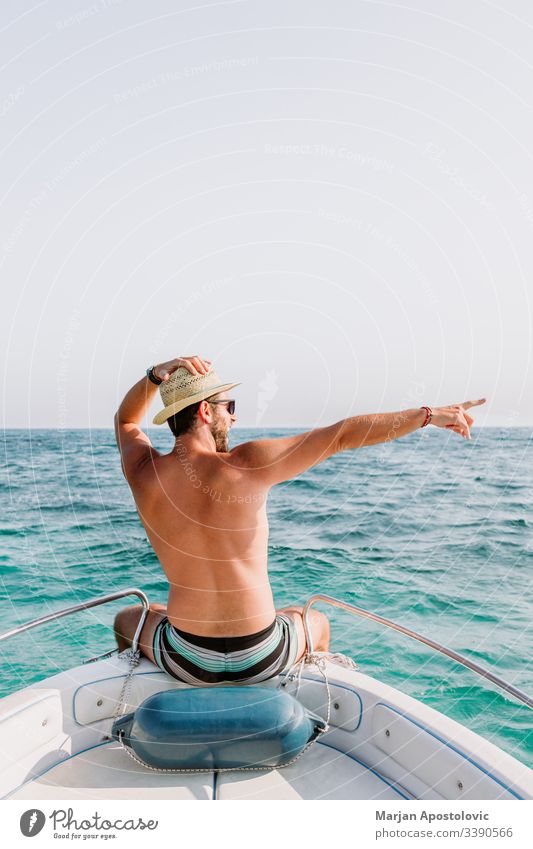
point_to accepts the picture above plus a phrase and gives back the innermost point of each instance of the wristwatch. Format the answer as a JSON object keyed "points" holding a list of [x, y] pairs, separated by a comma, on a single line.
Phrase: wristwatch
{"points": [[151, 375]]}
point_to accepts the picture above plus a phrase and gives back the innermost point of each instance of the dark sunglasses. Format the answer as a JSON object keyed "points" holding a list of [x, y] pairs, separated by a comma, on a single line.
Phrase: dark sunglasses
{"points": [[230, 405]]}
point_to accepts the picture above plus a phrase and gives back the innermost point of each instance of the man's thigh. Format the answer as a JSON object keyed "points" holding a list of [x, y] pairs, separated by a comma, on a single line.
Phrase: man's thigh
{"points": [[315, 621], [128, 619]]}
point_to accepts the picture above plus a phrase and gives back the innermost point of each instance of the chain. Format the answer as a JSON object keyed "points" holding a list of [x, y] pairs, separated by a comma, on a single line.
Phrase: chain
{"points": [[134, 658], [318, 660]]}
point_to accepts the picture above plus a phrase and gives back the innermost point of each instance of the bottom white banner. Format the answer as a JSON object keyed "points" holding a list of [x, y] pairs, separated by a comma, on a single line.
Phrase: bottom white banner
{"points": [[241, 824]]}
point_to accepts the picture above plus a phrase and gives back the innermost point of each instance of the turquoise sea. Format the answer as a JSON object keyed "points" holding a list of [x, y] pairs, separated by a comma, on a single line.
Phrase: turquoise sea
{"points": [[430, 531]]}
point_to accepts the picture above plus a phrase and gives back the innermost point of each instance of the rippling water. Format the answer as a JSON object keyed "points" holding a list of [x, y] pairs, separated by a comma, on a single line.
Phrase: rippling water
{"points": [[430, 531]]}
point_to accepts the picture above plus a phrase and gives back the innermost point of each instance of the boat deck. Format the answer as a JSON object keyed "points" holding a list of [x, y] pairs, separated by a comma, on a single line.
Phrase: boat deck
{"points": [[382, 745], [107, 772]]}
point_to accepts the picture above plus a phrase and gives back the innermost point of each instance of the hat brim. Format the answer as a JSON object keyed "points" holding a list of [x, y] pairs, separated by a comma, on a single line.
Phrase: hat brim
{"points": [[172, 409]]}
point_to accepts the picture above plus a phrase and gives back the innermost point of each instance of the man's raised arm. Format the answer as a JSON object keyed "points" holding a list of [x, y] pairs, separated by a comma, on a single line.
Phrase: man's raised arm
{"points": [[134, 445], [278, 460]]}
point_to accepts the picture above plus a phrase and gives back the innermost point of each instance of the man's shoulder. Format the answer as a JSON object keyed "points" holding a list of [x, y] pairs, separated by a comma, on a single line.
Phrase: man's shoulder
{"points": [[245, 455], [146, 468]]}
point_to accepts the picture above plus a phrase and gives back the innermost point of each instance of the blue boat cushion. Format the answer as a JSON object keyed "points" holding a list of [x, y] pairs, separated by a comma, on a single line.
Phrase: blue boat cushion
{"points": [[218, 728]]}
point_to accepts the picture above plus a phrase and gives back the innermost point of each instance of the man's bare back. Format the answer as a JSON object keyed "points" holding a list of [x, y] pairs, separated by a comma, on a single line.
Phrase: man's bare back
{"points": [[207, 523], [204, 507]]}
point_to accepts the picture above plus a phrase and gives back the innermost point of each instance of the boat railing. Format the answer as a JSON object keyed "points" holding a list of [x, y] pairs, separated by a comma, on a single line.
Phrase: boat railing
{"points": [[459, 658], [335, 602], [85, 605]]}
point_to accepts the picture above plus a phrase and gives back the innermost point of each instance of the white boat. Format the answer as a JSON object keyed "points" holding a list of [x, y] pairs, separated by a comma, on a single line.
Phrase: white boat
{"points": [[379, 744]]}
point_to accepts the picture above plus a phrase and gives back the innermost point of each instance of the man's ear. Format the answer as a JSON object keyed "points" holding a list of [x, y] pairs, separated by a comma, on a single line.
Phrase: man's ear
{"points": [[205, 413]]}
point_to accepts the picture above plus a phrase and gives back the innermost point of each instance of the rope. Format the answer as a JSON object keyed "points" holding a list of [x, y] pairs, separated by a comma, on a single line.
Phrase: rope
{"points": [[216, 769], [342, 660]]}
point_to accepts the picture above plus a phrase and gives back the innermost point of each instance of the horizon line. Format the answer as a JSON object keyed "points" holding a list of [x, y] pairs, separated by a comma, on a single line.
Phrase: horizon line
{"points": [[156, 428]]}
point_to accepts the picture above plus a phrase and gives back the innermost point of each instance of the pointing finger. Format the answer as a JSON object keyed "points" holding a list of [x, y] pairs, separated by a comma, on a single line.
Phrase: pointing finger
{"points": [[468, 404]]}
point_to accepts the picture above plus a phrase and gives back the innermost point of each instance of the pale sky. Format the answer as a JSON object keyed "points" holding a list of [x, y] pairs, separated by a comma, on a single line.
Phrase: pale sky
{"points": [[332, 201]]}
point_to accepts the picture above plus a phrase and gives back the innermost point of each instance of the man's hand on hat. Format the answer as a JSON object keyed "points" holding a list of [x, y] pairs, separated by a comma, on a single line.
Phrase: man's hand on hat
{"points": [[196, 365], [455, 417]]}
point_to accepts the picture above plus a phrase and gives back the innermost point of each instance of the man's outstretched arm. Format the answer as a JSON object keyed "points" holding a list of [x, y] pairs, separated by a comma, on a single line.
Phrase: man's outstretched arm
{"points": [[383, 427], [278, 460], [134, 445]]}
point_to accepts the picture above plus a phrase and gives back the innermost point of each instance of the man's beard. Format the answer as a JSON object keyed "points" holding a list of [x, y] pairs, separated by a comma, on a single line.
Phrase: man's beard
{"points": [[221, 438]]}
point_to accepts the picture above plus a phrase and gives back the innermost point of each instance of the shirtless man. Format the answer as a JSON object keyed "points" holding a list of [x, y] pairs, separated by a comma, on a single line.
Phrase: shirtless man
{"points": [[204, 510]]}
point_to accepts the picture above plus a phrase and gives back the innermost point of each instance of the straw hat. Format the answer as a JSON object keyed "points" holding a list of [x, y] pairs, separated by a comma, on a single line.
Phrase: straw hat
{"points": [[183, 388]]}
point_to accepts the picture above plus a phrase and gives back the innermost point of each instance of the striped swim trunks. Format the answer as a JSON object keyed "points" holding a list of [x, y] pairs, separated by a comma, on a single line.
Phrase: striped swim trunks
{"points": [[208, 661]]}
